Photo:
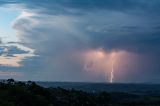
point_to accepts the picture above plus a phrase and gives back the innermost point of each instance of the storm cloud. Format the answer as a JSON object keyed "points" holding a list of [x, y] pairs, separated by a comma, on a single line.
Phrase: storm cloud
{"points": [[130, 24], [59, 30]]}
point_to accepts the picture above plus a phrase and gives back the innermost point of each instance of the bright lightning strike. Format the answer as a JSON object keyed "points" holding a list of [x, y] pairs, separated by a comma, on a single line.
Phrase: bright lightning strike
{"points": [[112, 70]]}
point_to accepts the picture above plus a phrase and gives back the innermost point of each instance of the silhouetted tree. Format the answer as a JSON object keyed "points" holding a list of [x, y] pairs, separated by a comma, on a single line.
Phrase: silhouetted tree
{"points": [[10, 81]]}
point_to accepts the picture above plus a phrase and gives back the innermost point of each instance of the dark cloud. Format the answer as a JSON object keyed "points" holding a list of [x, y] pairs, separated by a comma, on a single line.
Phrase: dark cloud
{"points": [[80, 7], [140, 34], [11, 50]]}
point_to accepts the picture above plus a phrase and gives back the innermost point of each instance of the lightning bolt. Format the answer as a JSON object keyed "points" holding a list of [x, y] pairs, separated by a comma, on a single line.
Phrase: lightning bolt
{"points": [[112, 70]]}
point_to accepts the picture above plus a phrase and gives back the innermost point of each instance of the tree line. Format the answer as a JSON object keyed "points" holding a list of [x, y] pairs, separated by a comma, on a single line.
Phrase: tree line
{"points": [[18, 93]]}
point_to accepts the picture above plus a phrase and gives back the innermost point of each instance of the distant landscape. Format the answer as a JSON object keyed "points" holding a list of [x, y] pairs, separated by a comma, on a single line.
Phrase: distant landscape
{"points": [[109, 87], [18, 93], [120, 93]]}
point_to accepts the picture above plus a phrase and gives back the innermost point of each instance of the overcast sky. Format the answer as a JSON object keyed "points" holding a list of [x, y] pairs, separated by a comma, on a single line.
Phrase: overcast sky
{"points": [[80, 40]]}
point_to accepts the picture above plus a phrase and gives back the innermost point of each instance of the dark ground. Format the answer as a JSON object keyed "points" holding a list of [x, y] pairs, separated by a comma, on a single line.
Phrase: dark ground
{"points": [[17, 93]]}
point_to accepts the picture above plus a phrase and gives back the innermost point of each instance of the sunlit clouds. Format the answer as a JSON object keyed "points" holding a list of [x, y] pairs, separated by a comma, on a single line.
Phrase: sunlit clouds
{"points": [[9, 57], [14, 59]]}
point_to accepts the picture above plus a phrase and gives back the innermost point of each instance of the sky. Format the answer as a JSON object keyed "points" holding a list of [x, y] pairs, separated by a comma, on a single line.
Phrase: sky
{"points": [[80, 40]]}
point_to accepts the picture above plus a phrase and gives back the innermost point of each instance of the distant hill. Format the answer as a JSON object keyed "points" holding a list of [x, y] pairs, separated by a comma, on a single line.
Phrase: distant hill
{"points": [[98, 87]]}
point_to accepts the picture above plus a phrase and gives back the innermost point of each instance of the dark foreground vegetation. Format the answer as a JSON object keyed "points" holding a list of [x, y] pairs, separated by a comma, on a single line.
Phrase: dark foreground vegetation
{"points": [[16, 93]]}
